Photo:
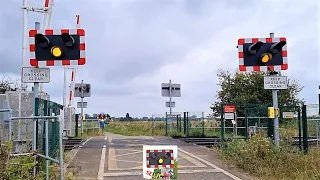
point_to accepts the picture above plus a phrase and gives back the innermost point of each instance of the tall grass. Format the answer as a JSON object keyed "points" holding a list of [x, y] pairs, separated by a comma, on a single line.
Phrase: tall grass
{"points": [[136, 128], [260, 157]]}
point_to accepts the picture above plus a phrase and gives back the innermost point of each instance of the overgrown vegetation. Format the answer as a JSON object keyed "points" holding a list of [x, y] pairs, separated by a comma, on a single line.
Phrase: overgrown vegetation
{"points": [[247, 88], [21, 167], [261, 158]]}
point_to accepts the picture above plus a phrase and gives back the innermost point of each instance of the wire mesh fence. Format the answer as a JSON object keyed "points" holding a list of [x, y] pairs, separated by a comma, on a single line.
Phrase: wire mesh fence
{"points": [[91, 127], [195, 124], [158, 124], [4, 127], [48, 108], [313, 117], [178, 124]]}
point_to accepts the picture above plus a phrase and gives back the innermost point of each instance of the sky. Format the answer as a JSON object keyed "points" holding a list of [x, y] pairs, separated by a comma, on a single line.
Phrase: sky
{"points": [[132, 46]]}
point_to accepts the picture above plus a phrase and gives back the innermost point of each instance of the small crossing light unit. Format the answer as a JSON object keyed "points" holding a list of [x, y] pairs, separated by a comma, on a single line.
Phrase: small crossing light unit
{"points": [[63, 47], [271, 112], [262, 54], [160, 158]]}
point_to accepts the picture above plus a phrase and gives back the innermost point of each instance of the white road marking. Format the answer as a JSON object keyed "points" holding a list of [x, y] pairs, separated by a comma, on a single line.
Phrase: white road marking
{"points": [[139, 173], [102, 161], [73, 152], [112, 164], [192, 160], [210, 164], [125, 154], [86, 141]]}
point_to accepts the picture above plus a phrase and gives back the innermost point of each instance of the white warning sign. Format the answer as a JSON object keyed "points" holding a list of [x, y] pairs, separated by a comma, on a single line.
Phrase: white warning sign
{"points": [[32, 75]]}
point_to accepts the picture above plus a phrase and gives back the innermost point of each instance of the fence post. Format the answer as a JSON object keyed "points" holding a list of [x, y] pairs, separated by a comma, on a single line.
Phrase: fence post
{"points": [[10, 124], [36, 113], [305, 128], [166, 124], [221, 124], [246, 123], [46, 146], [184, 124], [202, 123], [61, 163], [187, 116], [45, 113], [77, 126], [152, 124], [299, 127], [177, 123], [180, 123], [317, 132], [35, 131]]}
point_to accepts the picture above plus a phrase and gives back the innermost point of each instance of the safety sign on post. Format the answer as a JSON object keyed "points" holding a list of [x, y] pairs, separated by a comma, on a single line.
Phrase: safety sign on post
{"points": [[267, 55], [159, 161], [229, 112], [35, 75], [275, 82], [229, 109]]}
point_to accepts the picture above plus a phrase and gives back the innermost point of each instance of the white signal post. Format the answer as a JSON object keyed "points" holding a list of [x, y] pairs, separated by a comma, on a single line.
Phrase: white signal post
{"points": [[46, 10]]}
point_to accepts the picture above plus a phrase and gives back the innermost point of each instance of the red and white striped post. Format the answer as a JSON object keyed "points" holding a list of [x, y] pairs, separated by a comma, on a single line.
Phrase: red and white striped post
{"points": [[73, 72]]}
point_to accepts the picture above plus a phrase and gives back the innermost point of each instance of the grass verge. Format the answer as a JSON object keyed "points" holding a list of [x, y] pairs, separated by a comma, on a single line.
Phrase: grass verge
{"points": [[262, 159]]}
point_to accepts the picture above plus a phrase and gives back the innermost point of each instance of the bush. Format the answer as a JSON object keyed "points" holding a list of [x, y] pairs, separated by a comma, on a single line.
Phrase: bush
{"points": [[261, 158]]}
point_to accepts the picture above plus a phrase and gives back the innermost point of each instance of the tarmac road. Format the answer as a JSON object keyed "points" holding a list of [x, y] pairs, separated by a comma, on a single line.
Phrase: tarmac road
{"points": [[116, 157]]}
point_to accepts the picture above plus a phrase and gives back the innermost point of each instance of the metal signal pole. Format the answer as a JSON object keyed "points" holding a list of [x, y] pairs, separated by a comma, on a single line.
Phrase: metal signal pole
{"points": [[275, 105]]}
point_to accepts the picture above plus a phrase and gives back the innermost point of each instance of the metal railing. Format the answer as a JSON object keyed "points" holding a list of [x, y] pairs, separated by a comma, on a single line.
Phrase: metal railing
{"points": [[46, 155], [316, 130]]}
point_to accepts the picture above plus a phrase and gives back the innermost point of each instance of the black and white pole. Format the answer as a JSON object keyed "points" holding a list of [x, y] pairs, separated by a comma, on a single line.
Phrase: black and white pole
{"points": [[275, 105]]}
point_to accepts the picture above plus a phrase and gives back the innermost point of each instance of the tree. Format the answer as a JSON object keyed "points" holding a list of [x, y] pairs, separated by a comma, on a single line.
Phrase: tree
{"points": [[128, 118], [8, 84], [247, 89]]}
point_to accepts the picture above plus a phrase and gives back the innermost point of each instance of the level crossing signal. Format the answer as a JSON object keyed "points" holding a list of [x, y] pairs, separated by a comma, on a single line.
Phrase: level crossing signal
{"points": [[262, 54], [62, 47]]}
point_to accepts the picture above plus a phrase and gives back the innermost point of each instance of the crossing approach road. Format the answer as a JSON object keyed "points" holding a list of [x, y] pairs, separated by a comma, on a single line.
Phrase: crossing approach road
{"points": [[116, 157]]}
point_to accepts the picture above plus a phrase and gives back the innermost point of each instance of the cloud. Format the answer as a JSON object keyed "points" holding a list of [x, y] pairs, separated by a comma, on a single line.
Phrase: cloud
{"points": [[135, 45]]}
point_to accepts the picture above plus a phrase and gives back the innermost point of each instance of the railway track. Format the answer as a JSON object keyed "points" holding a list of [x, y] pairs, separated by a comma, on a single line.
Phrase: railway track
{"points": [[209, 142]]}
